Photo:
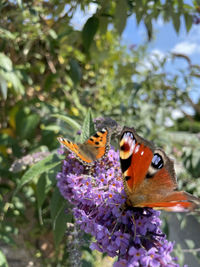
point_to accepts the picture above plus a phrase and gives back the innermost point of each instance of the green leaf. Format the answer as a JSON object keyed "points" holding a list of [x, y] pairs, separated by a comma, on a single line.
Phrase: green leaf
{"points": [[89, 30], [120, 15], [3, 85], [88, 127], [195, 162], [139, 16], [9, 74], [103, 24], [5, 62], [179, 254], [56, 202], [16, 83], [180, 5], [190, 243], [60, 225], [53, 34], [20, 3], [27, 124], [188, 21], [139, 11], [149, 28], [68, 120], [51, 127], [5, 34], [42, 166], [58, 216], [176, 21], [42, 189], [75, 71], [3, 261]]}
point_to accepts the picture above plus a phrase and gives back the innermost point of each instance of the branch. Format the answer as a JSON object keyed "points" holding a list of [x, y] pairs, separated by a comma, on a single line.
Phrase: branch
{"points": [[191, 250]]}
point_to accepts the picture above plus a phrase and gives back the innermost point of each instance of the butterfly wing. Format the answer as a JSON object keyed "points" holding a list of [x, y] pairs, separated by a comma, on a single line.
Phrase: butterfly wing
{"points": [[95, 148], [149, 176], [178, 201]]}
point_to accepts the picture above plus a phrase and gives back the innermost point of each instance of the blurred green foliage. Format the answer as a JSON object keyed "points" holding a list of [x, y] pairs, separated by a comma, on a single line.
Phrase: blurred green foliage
{"points": [[51, 71]]}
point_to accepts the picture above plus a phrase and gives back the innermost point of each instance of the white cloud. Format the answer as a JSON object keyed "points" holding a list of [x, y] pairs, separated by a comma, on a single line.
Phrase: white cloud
{"points": [[186, 47], [154, 57], [92, 8], [157, 54], [190, 43], [176, 113], [80, 17]]}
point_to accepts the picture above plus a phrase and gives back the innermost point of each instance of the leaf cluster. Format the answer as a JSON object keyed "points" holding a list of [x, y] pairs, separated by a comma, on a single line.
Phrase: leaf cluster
{"points": [[53, 68]]}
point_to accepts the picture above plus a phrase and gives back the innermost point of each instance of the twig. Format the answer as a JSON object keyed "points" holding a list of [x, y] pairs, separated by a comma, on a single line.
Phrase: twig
{"points": [[191, 250]]}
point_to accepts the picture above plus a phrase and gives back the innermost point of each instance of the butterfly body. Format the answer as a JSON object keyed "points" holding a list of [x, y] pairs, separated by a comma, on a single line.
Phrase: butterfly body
{"points": [[149, 176], [92, 150]]}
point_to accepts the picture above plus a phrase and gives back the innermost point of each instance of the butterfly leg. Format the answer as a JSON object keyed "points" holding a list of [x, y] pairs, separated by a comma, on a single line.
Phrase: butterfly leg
{"points": [[113, 230], [134, 224]]}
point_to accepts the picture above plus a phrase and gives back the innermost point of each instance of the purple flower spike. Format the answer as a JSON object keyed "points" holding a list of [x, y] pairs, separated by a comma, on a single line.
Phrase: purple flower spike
{"points": [[131, 234]]}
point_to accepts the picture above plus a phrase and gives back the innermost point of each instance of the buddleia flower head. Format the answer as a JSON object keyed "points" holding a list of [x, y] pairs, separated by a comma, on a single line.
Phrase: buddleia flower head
{"points": [[98, 198]]}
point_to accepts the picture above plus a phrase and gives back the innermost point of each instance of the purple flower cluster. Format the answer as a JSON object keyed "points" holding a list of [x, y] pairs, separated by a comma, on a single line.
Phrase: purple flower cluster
{"points": [[28, 160], [131, 234]]}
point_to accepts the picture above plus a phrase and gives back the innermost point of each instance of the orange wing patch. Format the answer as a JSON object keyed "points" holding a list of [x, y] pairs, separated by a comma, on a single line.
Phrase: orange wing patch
{"points": [[135, 160], [95, 148], [141, 159], [178, 201]]}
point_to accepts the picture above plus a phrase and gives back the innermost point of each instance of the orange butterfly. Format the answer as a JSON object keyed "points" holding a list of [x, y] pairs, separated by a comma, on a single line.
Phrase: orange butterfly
{"points": [[92, 150], [149, 176]]}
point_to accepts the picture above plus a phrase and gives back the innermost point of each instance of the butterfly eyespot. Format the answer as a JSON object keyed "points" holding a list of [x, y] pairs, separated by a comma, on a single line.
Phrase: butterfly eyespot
{"points": [[157, 161]]}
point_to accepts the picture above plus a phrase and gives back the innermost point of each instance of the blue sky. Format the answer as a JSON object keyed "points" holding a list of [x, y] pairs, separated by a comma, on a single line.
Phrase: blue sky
{"points": [[165, 41]]}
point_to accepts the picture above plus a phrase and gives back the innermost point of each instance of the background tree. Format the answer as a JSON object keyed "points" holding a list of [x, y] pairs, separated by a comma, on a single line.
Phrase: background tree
{"points": [[49, 68]]}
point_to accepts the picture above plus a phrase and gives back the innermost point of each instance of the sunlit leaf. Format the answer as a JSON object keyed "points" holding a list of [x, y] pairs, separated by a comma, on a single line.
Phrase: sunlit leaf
{"points": [[3, 86], [42, 166], [3, 261], [68, 120], [190, 243], [5, 62], [53, 34], [20, 3], [88, 127], [5, 34]]}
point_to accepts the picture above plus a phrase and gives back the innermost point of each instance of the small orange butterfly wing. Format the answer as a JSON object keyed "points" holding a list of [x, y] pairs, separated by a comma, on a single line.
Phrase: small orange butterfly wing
{"points": [[94, 149], [149, 176]]}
